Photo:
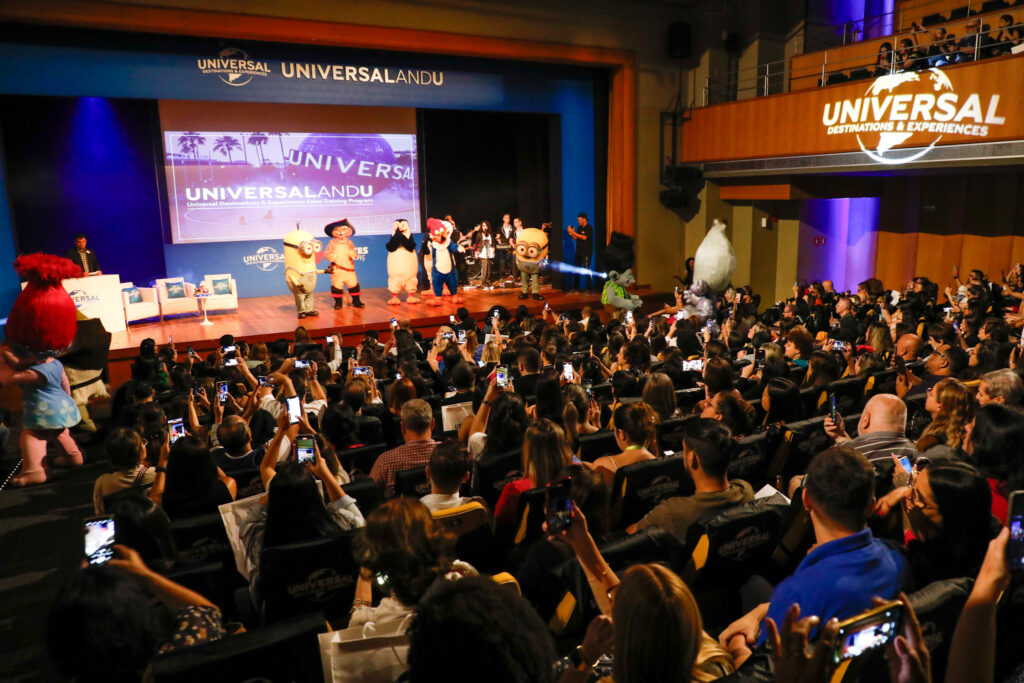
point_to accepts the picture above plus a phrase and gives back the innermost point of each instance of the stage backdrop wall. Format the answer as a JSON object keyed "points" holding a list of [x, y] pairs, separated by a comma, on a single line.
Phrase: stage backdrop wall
{"points": [[109, 66]]}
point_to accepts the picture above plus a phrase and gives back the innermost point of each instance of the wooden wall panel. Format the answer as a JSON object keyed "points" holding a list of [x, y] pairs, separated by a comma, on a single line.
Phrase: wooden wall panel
{"points": [[791, 124], [896, 260]]}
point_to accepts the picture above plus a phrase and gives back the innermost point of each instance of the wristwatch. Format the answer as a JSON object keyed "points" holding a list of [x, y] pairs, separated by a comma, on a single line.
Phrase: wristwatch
{"points": [[578, 663]]}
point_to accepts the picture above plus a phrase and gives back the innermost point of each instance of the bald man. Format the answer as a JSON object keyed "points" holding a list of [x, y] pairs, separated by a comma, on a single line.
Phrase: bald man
{"points": [[908, 347], [880, 432]]}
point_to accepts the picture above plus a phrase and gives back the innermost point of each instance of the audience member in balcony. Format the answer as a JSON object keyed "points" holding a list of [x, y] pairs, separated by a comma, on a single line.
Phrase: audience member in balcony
{"points": [[935, 47], [1000, 386], [707, 451], [948, 508], [634, 434], [884, 60], [996, 447], [1006, 37], [976, 43], [880, 431], [838, 493], [909, 57], [952, 407]]}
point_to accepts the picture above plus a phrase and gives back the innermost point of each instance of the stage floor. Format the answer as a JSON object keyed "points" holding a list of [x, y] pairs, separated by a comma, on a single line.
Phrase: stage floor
{"points": [[272, 317]]}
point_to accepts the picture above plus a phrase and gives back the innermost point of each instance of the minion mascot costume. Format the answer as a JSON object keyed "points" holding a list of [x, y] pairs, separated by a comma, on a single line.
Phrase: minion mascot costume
{"points": [[342, 253], [531, 252], [442, 266], [301, 252], [403, 265]]}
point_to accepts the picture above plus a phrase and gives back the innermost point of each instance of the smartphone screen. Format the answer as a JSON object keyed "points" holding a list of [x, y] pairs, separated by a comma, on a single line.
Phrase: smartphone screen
{"points": [[99, 539], [230, 362], [873, 629], [301, 364], [361, 371], [759, 359], [501, 378], [447, 336], [588, 386], [191, 352], [176, 428], [451, 319], [263, 381], [567, 371], [558, 505], [394, 323], [222, 392], [462, 336], [1015, 520], [679, 315], [832, 412], [906, 464], [481, 363], [304, 448], [227, 349], [292, 403], [629, 317]]}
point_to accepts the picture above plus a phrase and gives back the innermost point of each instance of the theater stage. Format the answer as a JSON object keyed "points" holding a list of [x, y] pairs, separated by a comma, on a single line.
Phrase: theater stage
{"points": [[273, 317]]}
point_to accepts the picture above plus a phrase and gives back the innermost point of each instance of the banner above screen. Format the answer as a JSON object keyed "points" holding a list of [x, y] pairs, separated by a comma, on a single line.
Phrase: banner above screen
{"points": [[228, 180]]}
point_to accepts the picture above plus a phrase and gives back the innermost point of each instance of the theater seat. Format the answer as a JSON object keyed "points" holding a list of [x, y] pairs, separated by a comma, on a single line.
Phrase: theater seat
{"points": [[412, 483], [849, 394], [637, 488], [202, 539], [361, 458], [286, 651], [760, 458], [471, 522], [727, 547], [670, 432], [883, 382], [598, 444], [938, 606], [492, 472], [529, 517], [309, 576], [215, 581], [367, 493]]}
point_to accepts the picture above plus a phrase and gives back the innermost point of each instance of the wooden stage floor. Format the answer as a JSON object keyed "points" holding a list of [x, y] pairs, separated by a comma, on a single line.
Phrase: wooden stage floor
{"points": [[273, 317]]}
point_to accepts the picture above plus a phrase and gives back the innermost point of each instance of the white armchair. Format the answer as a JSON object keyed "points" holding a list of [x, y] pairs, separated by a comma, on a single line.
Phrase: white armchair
{"points": [[148, 307], [176, 305], [221, 301]]}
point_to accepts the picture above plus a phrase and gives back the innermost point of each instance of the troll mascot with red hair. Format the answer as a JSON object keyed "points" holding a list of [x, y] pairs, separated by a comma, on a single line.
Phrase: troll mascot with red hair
{"points": [[40, 326]]}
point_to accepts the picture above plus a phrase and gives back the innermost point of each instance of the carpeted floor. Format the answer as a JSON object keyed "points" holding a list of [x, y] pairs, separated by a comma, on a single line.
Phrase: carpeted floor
{"points": [[40, 542]]}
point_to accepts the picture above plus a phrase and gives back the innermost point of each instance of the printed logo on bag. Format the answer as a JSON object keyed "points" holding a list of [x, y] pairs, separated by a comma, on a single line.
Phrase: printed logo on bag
{"points": [[912, 109], [233, 66], [321, 585], [265, 258]]}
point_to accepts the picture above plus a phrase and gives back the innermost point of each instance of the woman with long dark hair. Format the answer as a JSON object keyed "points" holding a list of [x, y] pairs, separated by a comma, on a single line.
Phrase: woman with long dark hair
{"points": [[194, 484], [996, 447], [546, 457], [499, 425], [781, 401]]}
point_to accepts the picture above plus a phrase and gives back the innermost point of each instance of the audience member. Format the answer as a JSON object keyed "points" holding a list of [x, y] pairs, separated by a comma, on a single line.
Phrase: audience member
{"points": [[448, 470], [634, 434], [707, 451], [880, 431], [951, 406], [417, 427], [546, 457], [1000, 386], [127, 451]]}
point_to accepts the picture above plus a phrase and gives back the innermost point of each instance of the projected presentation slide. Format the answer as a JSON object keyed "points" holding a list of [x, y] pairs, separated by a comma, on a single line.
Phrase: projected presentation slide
{"points": [[231, 184]]}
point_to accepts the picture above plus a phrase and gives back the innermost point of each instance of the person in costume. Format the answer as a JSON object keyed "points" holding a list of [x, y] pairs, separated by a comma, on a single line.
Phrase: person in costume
{"points": [[403, 265], [342, 253], [301, 252], [443, 269], [41, 324], [531, 252]]}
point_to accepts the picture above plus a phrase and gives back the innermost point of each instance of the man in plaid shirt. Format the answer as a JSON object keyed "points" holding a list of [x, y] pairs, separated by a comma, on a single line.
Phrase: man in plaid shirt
{"points": [[417, 426]]}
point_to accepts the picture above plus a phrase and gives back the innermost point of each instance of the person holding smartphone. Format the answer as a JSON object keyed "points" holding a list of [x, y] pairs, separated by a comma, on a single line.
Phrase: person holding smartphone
{"points": [[132, 603]]}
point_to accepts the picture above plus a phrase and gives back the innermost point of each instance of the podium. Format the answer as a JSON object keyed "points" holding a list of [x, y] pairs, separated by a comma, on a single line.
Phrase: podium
{"points": [[99, 296]]}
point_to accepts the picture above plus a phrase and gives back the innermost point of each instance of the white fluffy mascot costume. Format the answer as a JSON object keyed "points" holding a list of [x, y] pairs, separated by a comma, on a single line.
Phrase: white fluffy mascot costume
{"points": [[713, 266], [403, 265]]}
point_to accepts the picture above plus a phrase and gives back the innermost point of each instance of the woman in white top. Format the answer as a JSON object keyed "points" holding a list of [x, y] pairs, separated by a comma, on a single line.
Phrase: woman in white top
{"points": [[485, 246], [404, 551]]}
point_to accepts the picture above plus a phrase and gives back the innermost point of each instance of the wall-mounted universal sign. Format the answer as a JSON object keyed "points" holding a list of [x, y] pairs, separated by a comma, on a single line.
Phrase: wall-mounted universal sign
{"points": [[895, 119], [911, 109]]}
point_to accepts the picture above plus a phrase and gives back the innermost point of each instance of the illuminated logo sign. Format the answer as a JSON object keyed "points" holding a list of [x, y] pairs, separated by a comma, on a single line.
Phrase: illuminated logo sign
{"points": [[233, 66], [265, 258], [81, 298], [911, 109]]}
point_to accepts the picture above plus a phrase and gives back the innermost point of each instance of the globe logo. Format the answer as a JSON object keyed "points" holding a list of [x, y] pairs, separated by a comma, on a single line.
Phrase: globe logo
{"points": [[895, 84], [233, 66], [234, 78], [78, 296], [265, 258]]}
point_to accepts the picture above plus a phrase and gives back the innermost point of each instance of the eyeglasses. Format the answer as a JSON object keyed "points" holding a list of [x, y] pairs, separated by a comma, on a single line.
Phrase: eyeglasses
{"points": [[919, 502]]}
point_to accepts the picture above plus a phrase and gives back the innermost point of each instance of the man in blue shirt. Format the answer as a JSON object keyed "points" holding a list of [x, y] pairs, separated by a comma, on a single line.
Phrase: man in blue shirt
{"points": [[847, 567]]}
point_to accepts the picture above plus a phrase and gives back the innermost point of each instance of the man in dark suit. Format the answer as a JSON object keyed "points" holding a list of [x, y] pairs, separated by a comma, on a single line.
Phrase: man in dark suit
{"points": [[82, 256]]}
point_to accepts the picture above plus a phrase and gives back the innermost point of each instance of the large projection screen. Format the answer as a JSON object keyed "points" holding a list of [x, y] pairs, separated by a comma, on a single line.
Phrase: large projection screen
{"points": [[241, 171]]}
